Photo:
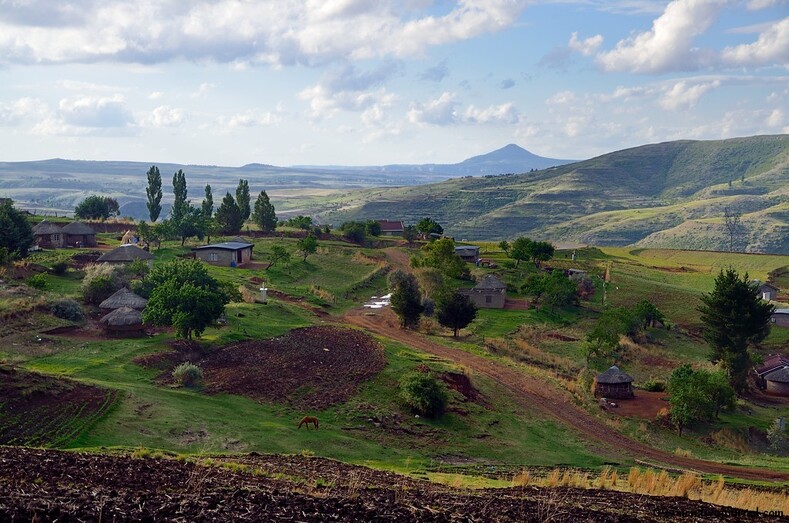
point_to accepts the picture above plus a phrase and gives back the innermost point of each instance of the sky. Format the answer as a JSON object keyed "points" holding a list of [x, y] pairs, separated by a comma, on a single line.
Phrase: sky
{"points": [[362, 82]]}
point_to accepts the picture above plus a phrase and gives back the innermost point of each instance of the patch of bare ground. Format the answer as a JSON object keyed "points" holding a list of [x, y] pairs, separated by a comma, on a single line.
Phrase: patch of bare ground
{"points": [[41, 410], [645, 405], [311, 367], [43, 485]]}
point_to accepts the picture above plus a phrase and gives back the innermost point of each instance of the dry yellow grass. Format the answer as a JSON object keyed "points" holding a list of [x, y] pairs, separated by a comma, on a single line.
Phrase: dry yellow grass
{"points": [[660, 483]]}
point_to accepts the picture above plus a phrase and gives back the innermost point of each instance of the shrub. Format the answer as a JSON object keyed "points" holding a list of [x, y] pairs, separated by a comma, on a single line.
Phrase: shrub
{"points": [[654, 385], [59, 268], [423, 394], [37, 281], [68, 309], [188, 374], [100, 281]]}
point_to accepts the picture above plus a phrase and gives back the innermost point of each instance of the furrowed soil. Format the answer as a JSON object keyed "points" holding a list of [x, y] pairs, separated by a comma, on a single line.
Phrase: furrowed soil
{"points": [[42, 411], [39, 485], [311, 367], [535, 393]]}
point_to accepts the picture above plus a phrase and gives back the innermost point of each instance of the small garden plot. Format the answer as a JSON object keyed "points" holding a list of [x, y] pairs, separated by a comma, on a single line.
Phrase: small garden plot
{"points": [[310, 368], [44, 411]]}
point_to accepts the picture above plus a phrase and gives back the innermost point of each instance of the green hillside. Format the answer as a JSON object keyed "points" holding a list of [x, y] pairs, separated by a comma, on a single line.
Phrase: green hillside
{"points": [[670, 194]]}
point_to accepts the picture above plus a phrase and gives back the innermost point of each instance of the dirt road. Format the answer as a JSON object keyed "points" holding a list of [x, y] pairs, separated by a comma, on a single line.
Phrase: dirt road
{"points": [[534, 393]]}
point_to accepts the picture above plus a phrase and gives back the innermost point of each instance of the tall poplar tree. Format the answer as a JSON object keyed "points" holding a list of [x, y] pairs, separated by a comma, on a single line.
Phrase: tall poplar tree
{"points": [[228, 216], [264, 216], [243, 198], [180, 205], [154, 192], [208, 202]]}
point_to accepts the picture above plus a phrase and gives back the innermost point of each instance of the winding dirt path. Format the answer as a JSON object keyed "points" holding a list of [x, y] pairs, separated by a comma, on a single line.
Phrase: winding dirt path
{"points": [[534, 393]]}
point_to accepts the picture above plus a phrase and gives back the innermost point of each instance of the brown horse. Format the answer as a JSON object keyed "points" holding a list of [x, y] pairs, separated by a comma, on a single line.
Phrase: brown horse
{"points": [[306, 420]]}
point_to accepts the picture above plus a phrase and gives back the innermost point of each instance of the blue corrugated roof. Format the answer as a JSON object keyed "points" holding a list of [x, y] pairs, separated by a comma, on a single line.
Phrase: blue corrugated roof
{"points": [[228, 246]]}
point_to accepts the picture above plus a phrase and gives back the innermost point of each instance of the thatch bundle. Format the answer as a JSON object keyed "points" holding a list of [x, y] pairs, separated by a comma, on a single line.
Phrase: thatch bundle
{"points": [[124, 298], [122, 317], [46, 227]]}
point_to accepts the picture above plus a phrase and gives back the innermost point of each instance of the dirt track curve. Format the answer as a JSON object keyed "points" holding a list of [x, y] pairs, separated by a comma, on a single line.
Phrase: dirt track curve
{"points": [[534, 393]]}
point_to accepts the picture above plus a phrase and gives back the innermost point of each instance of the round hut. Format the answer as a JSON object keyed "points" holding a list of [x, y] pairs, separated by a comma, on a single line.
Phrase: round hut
{"points": [[124, 298], [126, 254], [614, 383], [123, 321], [48, 235], [777, 381]]}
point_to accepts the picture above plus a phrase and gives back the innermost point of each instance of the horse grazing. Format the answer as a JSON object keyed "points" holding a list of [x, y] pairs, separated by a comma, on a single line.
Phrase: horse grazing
{"points": [[306, 420]]}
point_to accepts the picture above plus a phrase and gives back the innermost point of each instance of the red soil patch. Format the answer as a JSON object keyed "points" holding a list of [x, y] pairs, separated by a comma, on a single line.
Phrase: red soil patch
{"points": [[645, 405], [40, 485], [81, 259], [461, 383], [41, 410], [310, 368]]}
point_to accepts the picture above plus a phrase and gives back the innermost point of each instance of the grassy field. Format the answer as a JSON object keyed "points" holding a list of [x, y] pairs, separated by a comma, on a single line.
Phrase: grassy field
{"points": [[470, 435]]}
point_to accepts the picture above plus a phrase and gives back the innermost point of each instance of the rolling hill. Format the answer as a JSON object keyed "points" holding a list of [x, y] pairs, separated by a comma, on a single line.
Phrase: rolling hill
{"points": [[57, 185], [669, 194]]}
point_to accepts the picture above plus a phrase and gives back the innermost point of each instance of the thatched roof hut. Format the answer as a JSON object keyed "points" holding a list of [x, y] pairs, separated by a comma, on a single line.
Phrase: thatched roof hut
{"points": [[78, 234], [777, 381], [46, 227], [126, 254], [124, 320], [124, 298], [614, 383]]}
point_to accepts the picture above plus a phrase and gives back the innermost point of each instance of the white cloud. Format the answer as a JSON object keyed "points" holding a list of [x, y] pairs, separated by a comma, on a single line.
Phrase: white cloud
{"points": [[685, 95], [166, 116], [668, 45], [755, 5], [586, 47], [439, 111], [14, 113], [279, 32], [505, 113], [776, 119], [347, 89], [92, 111], [444, 111], [252, 118], [772, 46], [155, 95], [202, 89], [561, 98]]}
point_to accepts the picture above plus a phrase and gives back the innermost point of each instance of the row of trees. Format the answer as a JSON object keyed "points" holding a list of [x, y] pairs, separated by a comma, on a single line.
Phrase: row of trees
{"points": [[603, 342], [524, 249]]}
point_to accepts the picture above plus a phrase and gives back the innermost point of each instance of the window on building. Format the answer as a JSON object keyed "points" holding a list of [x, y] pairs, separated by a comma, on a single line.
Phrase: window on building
{"points": [[488, 299], [212, 256], [55, 237]]}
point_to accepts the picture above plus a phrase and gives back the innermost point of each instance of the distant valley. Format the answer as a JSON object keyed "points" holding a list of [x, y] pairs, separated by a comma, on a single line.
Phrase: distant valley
{"points": [[669, 194]]}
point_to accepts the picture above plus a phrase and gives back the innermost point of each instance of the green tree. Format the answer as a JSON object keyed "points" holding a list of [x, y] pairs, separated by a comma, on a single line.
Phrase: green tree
{"points": [[505, 246], [648, 313], [180, 203], [455, 311], [192, 223], [372, 227], [228, 216], [154, 193], [183, 294], [520, 250], [734, 318], [423, 394], [427, 226], [188, 308], [307, 245], [243, 198], [264, 216], [354, 231], [278, 254], [300, 222], [96, 208], [540, 252], [207, 207], [16, 235], [553, 289], [696, 395], [440, 254], [603, 340], [410, 234], [406, 298]]}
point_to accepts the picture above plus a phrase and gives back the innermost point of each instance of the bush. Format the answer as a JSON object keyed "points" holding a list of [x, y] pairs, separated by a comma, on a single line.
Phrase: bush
{"points": [[423, 394], [68, 309], [653, 385], [59, 268], [100, 282], [37, 281], [188, 374]]}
